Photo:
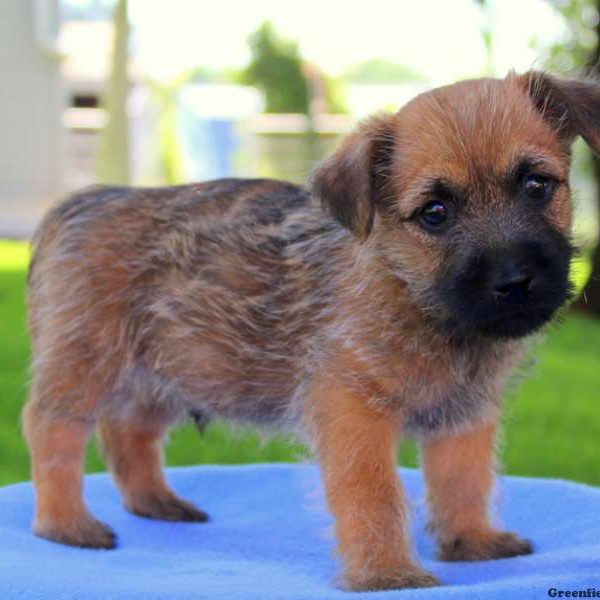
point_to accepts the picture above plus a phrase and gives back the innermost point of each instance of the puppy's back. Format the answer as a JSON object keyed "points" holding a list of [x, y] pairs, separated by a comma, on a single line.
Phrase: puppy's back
{"points": [[214, 288]]}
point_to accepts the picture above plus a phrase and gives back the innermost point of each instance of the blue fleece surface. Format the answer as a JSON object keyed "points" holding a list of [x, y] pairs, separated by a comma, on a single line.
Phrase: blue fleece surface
{"points": [[270, 537]]}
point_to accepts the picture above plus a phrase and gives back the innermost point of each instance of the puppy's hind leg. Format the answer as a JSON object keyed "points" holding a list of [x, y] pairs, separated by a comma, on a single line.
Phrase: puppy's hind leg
{"points": [[132, 446], [57, 442]]}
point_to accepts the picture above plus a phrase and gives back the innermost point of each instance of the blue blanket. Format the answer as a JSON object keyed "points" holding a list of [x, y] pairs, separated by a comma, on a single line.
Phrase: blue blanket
{"points": [[270, 537]]}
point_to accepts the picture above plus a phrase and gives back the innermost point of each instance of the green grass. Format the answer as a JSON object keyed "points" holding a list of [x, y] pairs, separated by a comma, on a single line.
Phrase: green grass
{"points": [[552, 424]]}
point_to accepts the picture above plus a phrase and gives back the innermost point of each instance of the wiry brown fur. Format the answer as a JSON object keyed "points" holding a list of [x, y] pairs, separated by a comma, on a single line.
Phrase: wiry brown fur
{"points": [[245, 300]]}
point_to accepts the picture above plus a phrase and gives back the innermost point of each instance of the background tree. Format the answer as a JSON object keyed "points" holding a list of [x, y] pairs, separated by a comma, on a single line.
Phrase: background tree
{"points": [[589, 300], [579, 54], [276, 68], [578, 50], [288, 82]]}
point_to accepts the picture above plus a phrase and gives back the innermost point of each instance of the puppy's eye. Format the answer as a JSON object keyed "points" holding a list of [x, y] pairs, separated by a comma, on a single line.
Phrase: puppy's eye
{"points": [[433, 215], [538, 187]]}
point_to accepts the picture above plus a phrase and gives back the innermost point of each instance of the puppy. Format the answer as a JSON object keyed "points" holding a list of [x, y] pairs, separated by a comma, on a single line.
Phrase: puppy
{"points": [[391, 297]]}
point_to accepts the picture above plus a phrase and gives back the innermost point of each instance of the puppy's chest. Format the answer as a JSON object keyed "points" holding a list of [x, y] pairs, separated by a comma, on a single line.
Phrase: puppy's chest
{"points": [[444, 391]]}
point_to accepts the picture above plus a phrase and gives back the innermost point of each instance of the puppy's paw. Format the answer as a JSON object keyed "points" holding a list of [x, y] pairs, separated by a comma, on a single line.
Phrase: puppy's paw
{"points": [[485, 546], [166, 508], [406, 578], [84, 532]]}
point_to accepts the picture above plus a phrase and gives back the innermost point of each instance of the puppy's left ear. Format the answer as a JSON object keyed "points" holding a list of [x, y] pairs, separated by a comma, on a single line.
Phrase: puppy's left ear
{"points": [[571, 106], [355, 178]]}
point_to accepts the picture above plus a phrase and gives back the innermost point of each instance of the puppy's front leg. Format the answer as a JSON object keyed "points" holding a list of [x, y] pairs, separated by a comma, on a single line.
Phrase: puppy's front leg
{"points": [[357, 448], [460, 473]]}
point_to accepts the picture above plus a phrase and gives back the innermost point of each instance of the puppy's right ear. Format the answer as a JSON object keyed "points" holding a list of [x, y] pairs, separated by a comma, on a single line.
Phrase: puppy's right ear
{"points": [[351, 181]]}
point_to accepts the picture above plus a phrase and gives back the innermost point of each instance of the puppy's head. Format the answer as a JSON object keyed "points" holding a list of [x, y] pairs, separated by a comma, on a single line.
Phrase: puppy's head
{"points": [[464, 195]]}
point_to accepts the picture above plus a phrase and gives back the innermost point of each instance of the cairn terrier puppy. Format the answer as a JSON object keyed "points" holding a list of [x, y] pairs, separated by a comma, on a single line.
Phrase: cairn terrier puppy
{"points": [[392, 296]]}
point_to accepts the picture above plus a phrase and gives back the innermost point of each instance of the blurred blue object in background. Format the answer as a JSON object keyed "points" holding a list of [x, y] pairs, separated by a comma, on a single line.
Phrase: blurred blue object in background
{"points": [[209, 120]]}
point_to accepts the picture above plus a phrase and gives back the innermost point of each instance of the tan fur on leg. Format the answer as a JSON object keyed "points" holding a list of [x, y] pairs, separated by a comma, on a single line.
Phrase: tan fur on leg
{"points": [[57, 445], [460, 473], [133, 450], [357, 448]]}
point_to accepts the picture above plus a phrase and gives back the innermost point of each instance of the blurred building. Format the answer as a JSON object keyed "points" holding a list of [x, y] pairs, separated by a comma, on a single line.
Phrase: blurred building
{"points": [[53, 117], [31, 105]]}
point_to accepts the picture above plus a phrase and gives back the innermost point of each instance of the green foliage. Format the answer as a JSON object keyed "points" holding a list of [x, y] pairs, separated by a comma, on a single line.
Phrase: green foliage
{"points": [[573, 54], [552, 423], [335, 95], [276, 69], [378, 70], [14, 361]]}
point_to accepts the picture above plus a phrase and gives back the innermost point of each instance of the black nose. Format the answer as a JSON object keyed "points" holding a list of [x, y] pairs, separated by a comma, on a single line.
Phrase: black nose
{"points": [[512, 283]]}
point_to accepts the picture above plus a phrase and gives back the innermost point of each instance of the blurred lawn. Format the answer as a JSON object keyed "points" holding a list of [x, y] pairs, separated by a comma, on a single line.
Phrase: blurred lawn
{"points": [[552, 425]]}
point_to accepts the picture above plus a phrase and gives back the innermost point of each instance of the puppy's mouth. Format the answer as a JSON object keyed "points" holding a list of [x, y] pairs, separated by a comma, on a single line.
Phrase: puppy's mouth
{"points": [[487, 320], [481, 318], [517, 323], [507, 295]]}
